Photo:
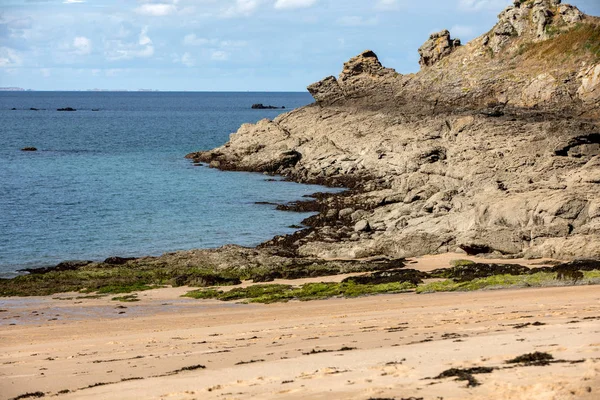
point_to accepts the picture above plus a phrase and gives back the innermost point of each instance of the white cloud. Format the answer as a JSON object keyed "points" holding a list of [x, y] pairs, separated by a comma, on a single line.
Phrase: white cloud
{"points": [[387, 5], [219, 55], [292, 4], [82, 45], [156, 10], [9, 58], [186, 59], [113, 72], [73, 1], [241, 8], [118, 50], [477, 5], [45, 72], [193, 40], [144, 39], [356, 21]]}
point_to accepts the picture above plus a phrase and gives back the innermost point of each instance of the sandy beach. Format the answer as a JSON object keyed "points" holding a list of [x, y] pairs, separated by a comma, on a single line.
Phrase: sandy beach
{"points": [[387, 346]]}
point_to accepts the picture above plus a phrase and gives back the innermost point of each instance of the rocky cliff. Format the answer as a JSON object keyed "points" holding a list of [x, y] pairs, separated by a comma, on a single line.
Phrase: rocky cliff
{"points": [[494, 146]]}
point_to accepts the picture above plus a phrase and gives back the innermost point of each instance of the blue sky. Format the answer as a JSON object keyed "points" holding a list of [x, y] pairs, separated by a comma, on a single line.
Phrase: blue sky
{"points": [[214, 45]]}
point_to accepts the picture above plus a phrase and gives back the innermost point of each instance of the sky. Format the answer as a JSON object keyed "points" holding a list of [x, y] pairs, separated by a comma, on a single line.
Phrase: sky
{"points": [[221, 45]]}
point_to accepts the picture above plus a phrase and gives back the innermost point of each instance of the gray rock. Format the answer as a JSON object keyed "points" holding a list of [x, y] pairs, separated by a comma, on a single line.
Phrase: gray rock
{"points": [[362, 226], [358, 215], [331, 214], [346, 212]]}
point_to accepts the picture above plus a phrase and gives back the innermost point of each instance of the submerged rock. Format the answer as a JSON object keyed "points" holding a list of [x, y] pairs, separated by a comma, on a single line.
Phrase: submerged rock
{"points": [[63, 266], [263, 107]]}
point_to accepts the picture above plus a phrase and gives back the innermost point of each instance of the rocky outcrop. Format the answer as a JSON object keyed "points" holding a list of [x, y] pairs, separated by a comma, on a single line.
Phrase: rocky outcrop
{"points": [[534, 19], [437, 47], [493, 147]]}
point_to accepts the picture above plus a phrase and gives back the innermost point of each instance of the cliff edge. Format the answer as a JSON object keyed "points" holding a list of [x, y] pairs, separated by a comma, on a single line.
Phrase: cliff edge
{"points": [[492, 147]]}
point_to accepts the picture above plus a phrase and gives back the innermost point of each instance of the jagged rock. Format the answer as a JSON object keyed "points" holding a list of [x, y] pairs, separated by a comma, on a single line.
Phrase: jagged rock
{"points": [[437, 47], [365, 63], [534, 19], [570, 14], [327, 91]]}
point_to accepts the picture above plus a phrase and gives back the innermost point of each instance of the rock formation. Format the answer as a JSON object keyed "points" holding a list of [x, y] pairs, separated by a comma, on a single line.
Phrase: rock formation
{"points": [[494, 146], [437, 47]]}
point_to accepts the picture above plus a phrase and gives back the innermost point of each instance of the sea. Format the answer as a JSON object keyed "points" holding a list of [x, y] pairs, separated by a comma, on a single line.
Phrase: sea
{"points": [[110, 179]]}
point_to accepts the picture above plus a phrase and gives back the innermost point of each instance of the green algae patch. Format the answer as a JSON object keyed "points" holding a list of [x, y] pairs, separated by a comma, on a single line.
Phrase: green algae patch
{"points": [[539, 279], [224, 267], [129, 298], [310, 291]]}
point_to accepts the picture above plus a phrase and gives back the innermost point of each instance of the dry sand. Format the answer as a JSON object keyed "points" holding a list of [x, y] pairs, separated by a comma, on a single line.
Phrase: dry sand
{"points": [[259, 351]]}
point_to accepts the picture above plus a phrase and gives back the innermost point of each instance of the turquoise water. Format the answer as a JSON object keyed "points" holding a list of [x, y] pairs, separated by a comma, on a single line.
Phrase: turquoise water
{"points": [[115, 181]]}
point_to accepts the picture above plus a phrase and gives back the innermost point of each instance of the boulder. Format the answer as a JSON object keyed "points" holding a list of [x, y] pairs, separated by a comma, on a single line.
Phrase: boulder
{"points": [[362, 226]]}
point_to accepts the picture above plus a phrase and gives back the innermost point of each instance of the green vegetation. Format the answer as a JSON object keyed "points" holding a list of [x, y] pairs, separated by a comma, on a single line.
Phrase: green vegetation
{"points": [[540, 279], [552, 30], [130, 298], [461, 263], [310, 291], [144, 274], [580, 43]]}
